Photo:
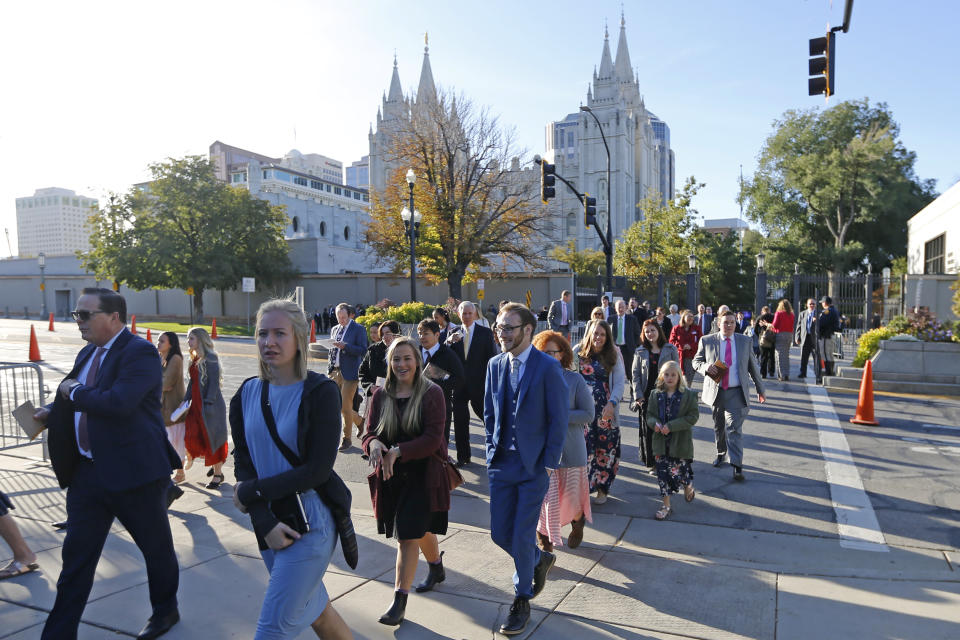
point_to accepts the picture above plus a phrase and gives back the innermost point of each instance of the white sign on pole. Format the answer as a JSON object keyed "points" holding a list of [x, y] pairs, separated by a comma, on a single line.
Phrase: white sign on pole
{"points": [[480, 284], [249, 285]]}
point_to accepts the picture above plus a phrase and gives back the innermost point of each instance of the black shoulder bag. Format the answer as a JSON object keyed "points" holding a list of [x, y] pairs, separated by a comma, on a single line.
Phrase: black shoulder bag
{"points": [[289, 509]]}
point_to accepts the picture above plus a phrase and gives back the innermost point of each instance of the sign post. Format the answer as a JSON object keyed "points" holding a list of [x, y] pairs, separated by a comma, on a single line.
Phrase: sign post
{"points": [[249, 285], [480, 289]]}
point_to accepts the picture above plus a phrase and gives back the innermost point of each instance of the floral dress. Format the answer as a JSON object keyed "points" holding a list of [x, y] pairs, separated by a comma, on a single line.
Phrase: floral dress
{"points": [[602, 436], [672, 473]]}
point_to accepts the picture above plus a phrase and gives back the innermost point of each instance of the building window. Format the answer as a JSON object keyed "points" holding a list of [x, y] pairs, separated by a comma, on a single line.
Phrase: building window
{"points": [[346, 233], [315, 184], [933, 258], [323, 229], [300, 180], [296, 224], [338, 191]]}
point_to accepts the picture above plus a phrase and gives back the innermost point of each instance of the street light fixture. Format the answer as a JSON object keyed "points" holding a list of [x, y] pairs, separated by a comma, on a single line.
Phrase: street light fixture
{"points": [[411, 222], [692, 262], [692, 282], [608, 247], [42, 262], [761, 261]]}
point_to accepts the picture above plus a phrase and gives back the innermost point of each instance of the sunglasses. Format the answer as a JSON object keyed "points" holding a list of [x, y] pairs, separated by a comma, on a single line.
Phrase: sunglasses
{"points": [[84, 315]]}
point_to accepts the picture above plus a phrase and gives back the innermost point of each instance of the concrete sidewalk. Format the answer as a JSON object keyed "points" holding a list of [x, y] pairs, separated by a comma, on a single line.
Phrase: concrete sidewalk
{"points": [[759, 559]]}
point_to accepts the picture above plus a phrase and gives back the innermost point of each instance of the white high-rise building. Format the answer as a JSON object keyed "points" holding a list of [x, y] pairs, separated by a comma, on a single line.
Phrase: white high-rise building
{"points": [[641, 161], [54, 221]]}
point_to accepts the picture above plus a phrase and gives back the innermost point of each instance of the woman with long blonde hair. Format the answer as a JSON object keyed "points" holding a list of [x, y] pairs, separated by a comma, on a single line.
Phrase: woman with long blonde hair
{"points": [[286, 426], [206, 422], [601, 365], [409, 485]]}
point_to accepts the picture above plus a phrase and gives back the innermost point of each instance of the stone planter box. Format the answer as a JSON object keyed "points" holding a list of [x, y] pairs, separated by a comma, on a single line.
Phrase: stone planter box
{"points": [[933, 361]]}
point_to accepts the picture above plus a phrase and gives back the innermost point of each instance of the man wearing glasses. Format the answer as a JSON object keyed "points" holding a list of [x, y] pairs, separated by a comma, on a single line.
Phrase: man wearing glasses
{"points": [[525, 418], [805, 335], [725, 386], [109, 449]]}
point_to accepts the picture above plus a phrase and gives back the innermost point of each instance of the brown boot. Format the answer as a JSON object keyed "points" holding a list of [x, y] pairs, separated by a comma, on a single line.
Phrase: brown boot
{"points": [[544, 541], [576, 532]]}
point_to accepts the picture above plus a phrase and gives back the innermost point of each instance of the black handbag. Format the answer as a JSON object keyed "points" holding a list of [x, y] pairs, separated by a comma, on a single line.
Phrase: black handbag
{"points": [[289, 509]]}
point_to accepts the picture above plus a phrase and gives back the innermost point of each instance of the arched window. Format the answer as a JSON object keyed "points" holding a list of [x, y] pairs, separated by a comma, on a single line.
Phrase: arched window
{"points": [[296, 224], [323, 229], [571, 224], [346, 233]]}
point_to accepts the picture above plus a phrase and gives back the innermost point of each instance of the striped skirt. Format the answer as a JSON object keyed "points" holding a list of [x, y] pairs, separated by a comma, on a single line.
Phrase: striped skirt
{"points": [[567, 497]]}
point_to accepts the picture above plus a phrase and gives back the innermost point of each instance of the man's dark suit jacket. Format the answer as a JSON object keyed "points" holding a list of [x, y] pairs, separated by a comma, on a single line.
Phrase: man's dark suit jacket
{"points": [[449, 362], [127, 437], [482, 349], [355, 337], [640, 313], [631, 331]]}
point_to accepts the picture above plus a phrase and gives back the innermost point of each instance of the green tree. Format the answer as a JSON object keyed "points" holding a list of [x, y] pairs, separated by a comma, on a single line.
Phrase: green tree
{"points": [[582, 262], [661, 240], [835, 187], [726, 274], [188, 230], [480, 210]]}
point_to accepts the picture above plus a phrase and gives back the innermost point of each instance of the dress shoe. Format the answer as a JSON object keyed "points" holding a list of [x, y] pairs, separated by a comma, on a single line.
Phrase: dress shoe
{"points": [[395, 613], [576, 532], [600, 498], [518, 617], [173, 492], [719, 460], [462, 464], [547, 560], [156, 627], [435, 577], [60, 525], [345, 444], [738, 474]]}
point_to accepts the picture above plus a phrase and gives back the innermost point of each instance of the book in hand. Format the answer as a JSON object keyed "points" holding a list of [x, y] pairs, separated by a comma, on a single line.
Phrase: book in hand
{"points": [[435, 373], [721, 369], [24, 416], [178, 414]]}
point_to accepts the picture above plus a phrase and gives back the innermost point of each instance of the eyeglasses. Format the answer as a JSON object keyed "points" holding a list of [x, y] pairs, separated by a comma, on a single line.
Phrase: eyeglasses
{"points": [[505, 328], [553, 352], [84, 315]]}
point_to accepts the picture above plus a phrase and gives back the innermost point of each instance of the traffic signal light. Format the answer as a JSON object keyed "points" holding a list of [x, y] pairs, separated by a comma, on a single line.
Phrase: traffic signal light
{"points": [[822, 66], [589, 210], [548, 178]]}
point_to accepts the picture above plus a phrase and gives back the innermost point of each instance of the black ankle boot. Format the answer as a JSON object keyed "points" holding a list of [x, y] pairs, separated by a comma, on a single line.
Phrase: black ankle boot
{"points": [[436, 576], [394, 614]]}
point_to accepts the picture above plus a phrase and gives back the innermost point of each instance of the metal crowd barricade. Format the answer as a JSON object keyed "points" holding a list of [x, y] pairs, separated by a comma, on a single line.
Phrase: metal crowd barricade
{"points": [[19, 382]]}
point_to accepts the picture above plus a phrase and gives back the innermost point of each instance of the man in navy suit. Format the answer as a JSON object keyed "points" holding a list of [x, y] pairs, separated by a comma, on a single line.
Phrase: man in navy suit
{"points": [[349, 347], [109, 450], [525, 418]]}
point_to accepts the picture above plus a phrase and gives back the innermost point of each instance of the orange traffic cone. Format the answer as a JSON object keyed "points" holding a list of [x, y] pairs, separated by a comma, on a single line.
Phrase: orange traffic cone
{"points": [[865, 403], [313, 332], [34, 347], [149, 337], [133, 324], [213, 329], [50, 328]]}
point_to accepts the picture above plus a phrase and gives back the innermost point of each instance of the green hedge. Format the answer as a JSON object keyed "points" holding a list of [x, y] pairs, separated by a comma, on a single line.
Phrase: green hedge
{"points": [[870, 343]]}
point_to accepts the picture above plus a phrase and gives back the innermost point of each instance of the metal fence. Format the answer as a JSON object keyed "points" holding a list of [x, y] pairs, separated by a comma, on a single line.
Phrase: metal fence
{"points": [[18, 384], [857, 298]]}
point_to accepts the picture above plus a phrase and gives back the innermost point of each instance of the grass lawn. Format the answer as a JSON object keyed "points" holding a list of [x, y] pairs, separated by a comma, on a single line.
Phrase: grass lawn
{"points": [[178, 327]]}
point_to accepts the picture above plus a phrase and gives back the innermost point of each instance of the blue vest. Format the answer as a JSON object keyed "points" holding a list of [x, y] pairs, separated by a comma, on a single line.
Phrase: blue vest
{"points": [[508, 432]]}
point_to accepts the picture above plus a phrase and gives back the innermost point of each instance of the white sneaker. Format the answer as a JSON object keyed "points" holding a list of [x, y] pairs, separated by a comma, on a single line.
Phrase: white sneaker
{"points": [[600, 498]]}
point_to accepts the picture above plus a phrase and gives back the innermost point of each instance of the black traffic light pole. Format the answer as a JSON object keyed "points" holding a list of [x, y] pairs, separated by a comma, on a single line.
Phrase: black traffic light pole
{"points": [[582, 197]]}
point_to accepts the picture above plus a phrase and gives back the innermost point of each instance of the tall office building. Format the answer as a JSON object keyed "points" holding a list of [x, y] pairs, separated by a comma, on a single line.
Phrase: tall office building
{"points": [[53, 221], [641, 161], [358, 173]]}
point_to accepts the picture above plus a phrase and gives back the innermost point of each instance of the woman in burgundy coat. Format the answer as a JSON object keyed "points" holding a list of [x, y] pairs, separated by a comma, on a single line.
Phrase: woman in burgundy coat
{"points": [[409, 486]]}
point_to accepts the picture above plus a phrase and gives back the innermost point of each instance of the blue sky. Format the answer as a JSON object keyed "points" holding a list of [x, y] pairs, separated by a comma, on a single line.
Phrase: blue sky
{"points": [[95, 91]]}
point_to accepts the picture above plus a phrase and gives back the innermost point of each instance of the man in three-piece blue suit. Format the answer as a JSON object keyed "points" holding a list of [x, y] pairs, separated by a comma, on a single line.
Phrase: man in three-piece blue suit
{"points": [[525, 417], [109, 450]]}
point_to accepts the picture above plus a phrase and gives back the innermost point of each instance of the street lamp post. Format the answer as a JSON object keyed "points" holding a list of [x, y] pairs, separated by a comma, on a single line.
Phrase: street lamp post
{"points": [[692, 282], [761, 283], [608, 247], [411, 222], [42, 262]]}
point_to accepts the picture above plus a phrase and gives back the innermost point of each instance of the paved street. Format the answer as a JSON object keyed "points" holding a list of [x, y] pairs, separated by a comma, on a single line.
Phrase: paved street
{"points": [[840, 531]]}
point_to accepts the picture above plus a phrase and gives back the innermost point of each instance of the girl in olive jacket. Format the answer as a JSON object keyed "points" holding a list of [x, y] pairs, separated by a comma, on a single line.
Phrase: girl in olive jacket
{"points": [[672, 410]]}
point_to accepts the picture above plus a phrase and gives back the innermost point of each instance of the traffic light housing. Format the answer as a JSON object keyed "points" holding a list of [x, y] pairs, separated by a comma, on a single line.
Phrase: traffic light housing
{"points": [[822, 66], [589, 210], [548, 178]]}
